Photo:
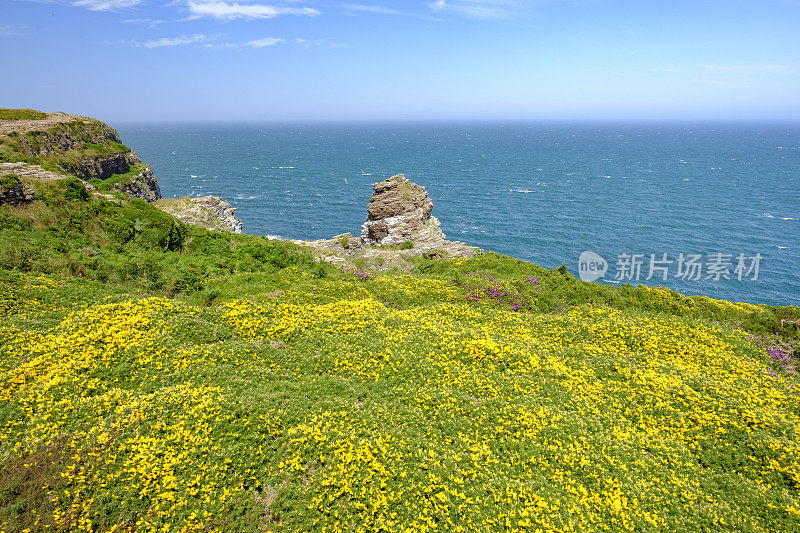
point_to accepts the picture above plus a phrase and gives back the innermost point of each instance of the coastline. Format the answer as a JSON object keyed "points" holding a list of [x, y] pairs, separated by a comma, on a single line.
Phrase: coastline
{"points": [[161, 375]]}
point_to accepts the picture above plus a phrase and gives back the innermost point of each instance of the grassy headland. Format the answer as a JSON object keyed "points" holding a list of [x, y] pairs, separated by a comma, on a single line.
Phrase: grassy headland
{"points": [[157, 375], [21, 114]]}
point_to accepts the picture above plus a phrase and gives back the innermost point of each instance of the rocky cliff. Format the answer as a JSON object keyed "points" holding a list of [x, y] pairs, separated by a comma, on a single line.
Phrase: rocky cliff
{"points": [[13, 191], [37, 147], [78, 146]]}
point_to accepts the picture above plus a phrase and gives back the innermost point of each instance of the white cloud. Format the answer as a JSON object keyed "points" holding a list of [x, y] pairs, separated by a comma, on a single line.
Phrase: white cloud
{"points": [[304, 43], [374, 9], [178, 41], [481, 9], [352, 9], [150, 23], [234, 10], [266, 41], [106, 5], [222, 42]]}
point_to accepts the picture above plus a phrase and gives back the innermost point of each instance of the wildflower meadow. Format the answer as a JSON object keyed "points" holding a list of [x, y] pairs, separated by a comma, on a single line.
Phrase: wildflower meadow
{"points": [[234, 383]]}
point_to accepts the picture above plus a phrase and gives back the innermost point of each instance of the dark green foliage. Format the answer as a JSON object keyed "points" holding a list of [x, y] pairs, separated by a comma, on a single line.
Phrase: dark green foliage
{"points": [[135, 244], [65, 191]]}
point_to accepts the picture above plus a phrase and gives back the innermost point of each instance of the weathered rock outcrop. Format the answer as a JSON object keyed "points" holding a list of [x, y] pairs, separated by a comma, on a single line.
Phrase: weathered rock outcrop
{"points": [[398, 229], [80, 146], [400, 211], [211, 212], [143, 185], [101, 167], [12, 191]]}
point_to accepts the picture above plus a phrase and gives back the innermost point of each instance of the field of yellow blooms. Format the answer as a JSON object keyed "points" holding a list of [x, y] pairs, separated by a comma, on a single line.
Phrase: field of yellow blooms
{"points": [[387, 402]]}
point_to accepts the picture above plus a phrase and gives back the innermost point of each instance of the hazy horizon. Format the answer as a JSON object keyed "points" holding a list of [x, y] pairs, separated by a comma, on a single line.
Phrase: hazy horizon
{"points": [[458, 120]]}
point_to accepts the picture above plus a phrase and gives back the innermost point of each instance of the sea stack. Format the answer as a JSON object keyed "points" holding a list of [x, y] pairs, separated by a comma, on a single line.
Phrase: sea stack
{"points": [[400, 211]]}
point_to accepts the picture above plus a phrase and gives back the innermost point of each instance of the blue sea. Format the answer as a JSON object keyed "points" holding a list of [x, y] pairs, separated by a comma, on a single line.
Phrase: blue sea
{"points": [[725, 195]]}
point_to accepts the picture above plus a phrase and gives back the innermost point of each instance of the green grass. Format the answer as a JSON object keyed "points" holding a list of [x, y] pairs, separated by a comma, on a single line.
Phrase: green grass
{"points": [[21, 114], [157, 374]]}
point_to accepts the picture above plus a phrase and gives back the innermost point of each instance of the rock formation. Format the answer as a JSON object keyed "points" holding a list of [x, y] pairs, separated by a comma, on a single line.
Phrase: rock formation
{"points": [[51, 148], [29, 171], [143, 185], [12, 191], [400, 211], [80, 146], [211, 212]]}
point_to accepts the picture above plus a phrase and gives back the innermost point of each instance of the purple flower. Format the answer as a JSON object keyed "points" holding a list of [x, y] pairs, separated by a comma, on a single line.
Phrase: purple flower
{"points": [[359, 273]]}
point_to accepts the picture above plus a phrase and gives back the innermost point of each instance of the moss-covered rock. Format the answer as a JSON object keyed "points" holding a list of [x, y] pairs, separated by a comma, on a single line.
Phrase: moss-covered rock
{"points": [[12, 190]]}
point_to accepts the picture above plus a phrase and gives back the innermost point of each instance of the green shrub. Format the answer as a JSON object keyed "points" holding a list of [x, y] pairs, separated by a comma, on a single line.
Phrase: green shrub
{"points": [[64, 191]]}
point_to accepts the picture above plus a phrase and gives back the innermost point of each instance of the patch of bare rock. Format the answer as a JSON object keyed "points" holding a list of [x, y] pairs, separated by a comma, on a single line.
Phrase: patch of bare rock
{"points": [[21, 126]]}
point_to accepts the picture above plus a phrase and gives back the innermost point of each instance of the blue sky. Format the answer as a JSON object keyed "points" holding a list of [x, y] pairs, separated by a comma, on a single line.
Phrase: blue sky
{"points": [[431, 59]]}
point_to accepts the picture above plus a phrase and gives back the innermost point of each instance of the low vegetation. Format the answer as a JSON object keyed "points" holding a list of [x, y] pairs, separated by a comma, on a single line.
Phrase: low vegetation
{"points": [[7, 182], [21, 114], [110, 183], [159, 376]]}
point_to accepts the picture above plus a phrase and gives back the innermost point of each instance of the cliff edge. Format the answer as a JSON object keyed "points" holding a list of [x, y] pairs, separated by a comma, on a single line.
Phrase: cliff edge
{"points": [[38, 147], [78, 146]]}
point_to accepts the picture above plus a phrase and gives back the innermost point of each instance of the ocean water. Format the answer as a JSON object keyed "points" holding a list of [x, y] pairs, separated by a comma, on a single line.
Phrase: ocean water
{"points": [[544, 192]]}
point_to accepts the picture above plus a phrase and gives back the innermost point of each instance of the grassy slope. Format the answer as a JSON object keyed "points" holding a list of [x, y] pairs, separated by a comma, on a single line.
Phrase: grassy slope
{"points": [[156, 374], [21, 114]]}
